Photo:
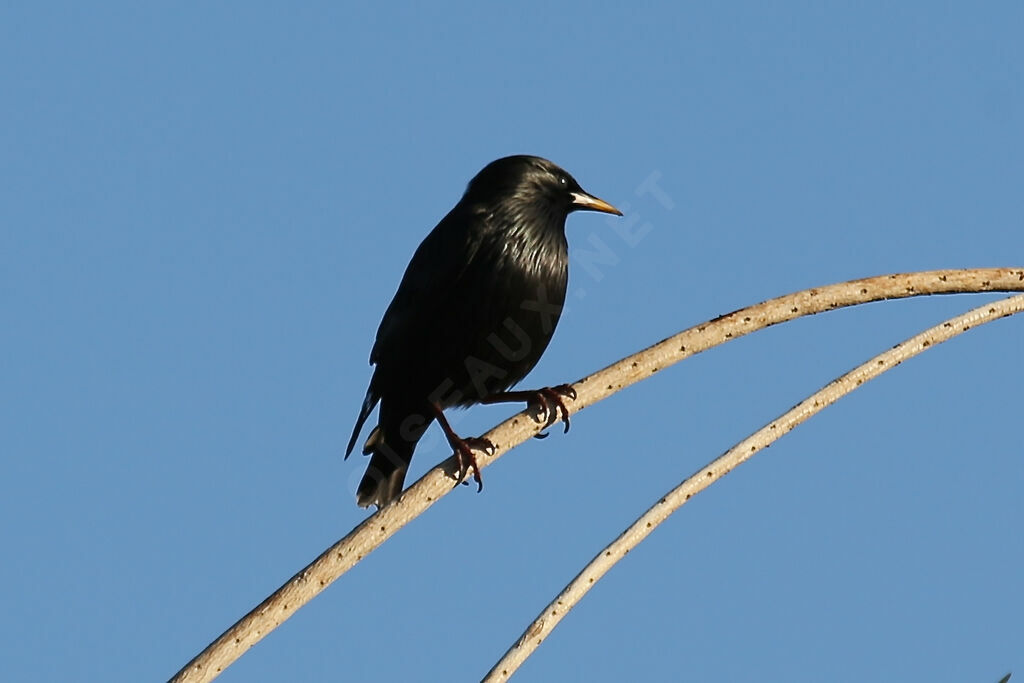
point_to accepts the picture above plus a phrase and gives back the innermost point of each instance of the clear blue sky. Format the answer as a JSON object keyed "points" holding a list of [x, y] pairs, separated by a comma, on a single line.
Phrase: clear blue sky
{"points": [[205, 209]]}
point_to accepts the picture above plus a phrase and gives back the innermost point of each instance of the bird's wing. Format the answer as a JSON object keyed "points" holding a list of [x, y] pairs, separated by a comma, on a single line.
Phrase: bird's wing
{"points": [[430, 279], [369, 402]]}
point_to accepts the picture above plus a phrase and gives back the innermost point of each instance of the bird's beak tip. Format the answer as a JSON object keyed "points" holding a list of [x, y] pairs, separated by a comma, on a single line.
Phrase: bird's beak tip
{"points": [[587, 202]]}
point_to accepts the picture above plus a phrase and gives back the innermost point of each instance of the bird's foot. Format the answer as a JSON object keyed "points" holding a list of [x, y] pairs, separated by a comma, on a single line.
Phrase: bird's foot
{"points": [[467, 460], [463, 449], [549, 403]]}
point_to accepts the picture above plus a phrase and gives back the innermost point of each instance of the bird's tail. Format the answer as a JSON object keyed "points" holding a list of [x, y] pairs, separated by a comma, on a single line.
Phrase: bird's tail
{"points": [[385, 475]]}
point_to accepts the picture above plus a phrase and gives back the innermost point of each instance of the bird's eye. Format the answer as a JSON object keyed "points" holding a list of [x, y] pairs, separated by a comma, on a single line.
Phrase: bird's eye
{"points": [[562, 180]]}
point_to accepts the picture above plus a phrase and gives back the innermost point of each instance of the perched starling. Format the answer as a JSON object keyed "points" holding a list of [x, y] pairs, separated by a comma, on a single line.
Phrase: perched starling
{"points": [[476, 308]]}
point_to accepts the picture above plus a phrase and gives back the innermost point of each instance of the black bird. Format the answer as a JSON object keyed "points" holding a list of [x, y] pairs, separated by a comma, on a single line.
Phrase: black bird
{"points": [[476, 308]]}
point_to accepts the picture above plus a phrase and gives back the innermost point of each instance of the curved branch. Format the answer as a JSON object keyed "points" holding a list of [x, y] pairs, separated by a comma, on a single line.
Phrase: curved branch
{"points": [[551, 615], [436, 483]]}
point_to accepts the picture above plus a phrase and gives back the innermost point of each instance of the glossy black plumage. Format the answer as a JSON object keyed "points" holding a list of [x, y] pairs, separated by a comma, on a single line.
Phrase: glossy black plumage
{"points": [[475, 310]]}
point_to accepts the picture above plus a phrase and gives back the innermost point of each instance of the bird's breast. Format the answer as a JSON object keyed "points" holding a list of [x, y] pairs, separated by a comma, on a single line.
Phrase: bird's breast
{"points": [[510, 304], [484, 329]]}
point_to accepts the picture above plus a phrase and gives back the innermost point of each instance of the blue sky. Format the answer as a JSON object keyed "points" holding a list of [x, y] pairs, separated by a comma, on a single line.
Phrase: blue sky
{"points": [[206, 209]]}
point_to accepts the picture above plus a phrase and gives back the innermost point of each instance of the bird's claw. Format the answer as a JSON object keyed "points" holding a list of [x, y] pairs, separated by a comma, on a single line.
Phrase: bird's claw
{"points": [[550, 402], [467, 460]]}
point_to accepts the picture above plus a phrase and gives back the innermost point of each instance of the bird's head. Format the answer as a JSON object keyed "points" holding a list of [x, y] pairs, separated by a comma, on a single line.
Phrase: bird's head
{"points": [[536, 182]]}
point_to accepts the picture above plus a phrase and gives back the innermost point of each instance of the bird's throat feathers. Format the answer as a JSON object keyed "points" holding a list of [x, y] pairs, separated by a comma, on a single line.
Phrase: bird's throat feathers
{"points": [[529, 237]]}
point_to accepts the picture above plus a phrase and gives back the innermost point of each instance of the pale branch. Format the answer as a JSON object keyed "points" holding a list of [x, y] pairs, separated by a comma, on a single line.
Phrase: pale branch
{"points": [[436, 483], [570, 596]]}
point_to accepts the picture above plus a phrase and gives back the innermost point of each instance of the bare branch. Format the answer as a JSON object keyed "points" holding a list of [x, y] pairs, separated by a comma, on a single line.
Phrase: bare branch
{"points": [[551, 615], [436, 483]]}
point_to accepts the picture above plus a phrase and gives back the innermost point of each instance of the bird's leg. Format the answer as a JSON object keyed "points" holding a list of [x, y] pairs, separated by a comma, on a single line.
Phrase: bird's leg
{"points": [[549, 401], [463, 449]]}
